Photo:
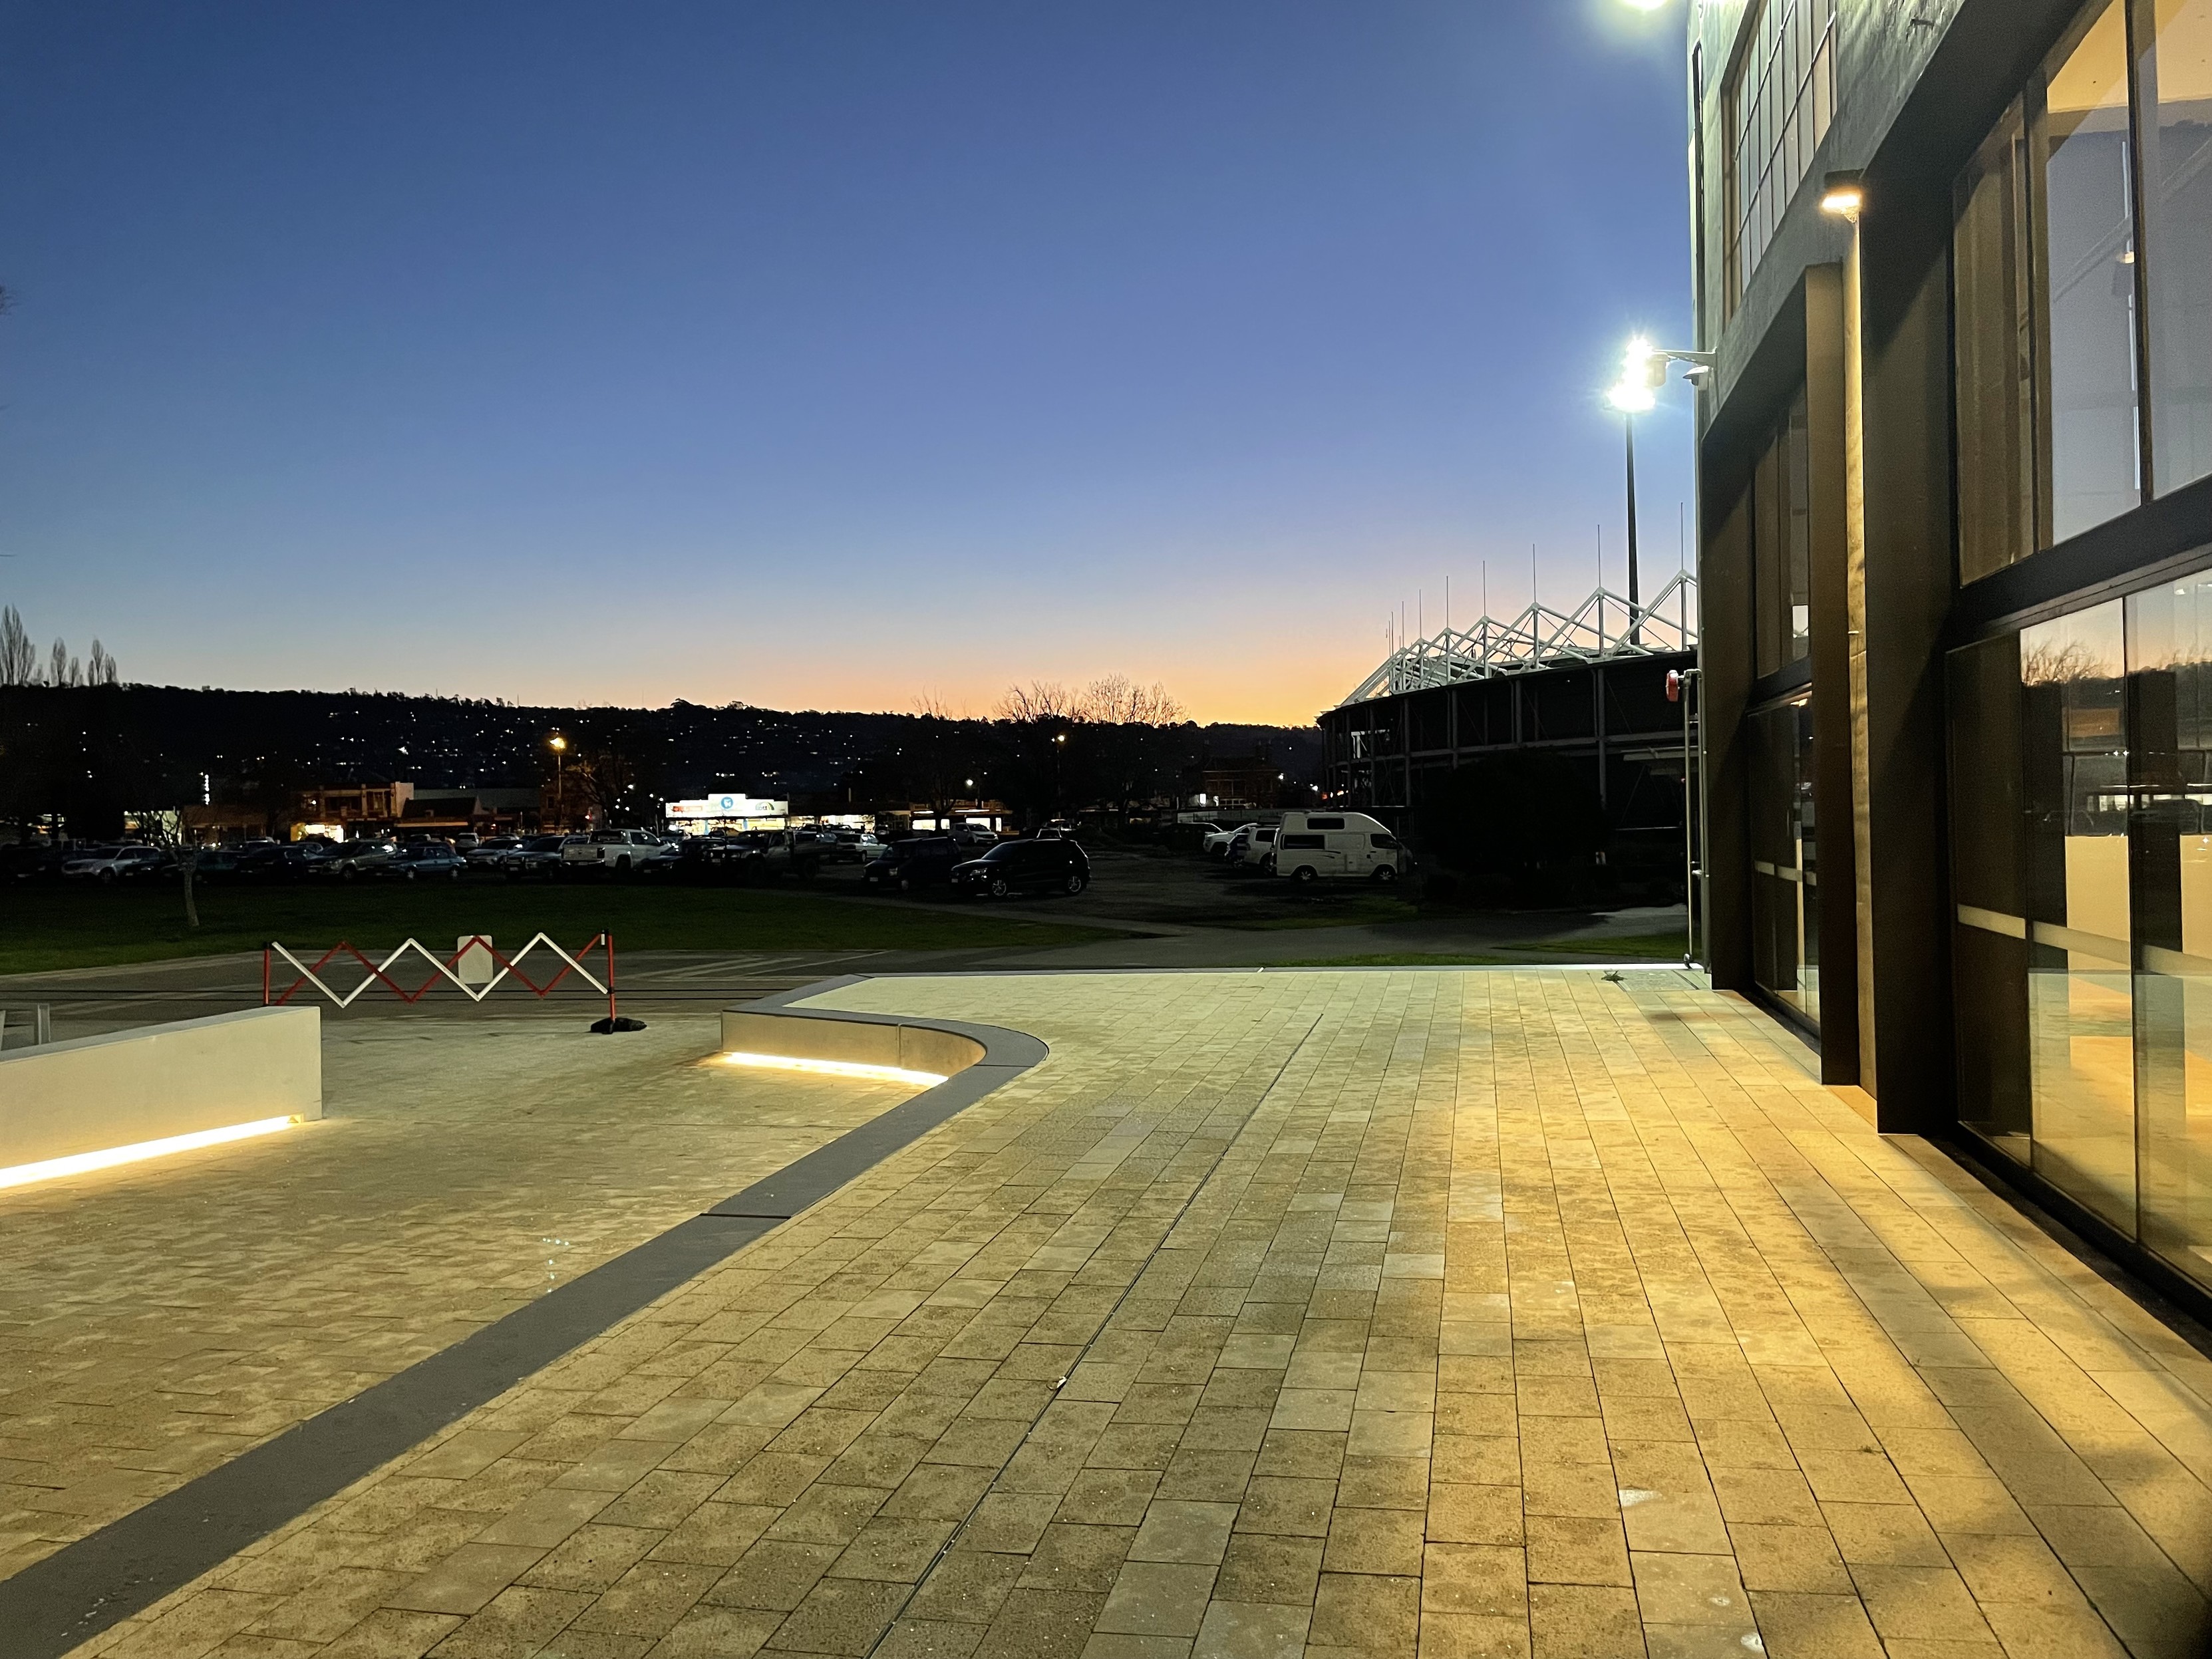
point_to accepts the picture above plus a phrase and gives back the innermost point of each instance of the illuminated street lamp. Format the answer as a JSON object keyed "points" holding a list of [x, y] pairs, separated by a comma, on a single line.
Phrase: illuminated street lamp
{"points": [[560, 746], [1643, 372]]}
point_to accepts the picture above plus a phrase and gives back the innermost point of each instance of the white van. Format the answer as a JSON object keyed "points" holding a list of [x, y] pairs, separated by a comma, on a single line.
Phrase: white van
{"points": [[1259, 845], [1312, 845]]}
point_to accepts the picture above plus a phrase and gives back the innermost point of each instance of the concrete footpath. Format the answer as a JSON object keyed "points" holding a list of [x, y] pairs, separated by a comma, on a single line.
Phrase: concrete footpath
{"points": [[1443, 1313]]}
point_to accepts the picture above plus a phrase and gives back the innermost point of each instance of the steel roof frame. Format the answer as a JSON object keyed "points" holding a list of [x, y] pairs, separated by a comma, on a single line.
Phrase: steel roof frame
{"points": [[1603, 628]]}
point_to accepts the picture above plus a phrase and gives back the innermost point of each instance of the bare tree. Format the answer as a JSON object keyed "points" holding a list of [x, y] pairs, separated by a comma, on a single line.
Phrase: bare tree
{"points": [[100, 667], [63, 669], [1039, 699], [1116, 700], [19, 658], [2063, 664]]}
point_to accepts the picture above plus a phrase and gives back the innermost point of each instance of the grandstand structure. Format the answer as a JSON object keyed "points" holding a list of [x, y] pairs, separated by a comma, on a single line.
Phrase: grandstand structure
{"points": [[1588, 684]]}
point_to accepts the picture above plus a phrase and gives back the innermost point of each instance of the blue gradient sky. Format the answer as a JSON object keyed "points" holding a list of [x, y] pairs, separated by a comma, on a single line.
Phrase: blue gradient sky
{"points": [[823, 353]]}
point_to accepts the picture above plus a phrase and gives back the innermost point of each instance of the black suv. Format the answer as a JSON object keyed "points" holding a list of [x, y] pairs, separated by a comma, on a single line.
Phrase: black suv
{"points": [[918, 862], [1037, 866]]}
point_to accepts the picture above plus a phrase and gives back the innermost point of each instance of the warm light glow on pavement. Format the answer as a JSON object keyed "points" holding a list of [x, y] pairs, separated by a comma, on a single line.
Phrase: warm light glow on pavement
{"points": [[53, 1169], [834, 1069]]}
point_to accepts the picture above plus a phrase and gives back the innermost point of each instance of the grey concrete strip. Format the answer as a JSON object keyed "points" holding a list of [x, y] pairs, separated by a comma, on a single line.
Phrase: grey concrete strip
{"points": [[84, 1588]]}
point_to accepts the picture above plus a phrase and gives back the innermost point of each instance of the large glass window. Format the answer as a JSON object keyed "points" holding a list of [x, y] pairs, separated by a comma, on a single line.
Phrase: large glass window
{"points": [[1780, 98], [2170, 651], [2087, 264], [2174, 39], [2045, 286], [2081, 863], [2080, 1010], [1989, 950], [1784, 853], [1782, 546]]}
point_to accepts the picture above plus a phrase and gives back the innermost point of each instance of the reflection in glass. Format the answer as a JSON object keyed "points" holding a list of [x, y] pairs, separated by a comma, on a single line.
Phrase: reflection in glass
{"points": [[2080, 1016], [2088, 274], [2170, 654], [1988, 948], [2175, 37], [1786, 867]]}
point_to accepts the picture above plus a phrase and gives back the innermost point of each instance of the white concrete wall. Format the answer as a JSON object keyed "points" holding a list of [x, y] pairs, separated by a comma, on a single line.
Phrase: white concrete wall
{"points": [[865, 1042], [146, 1083]]}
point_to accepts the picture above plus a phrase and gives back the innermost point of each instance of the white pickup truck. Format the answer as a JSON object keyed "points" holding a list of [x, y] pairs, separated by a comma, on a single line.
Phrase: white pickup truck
{"points": [[619, 850]]}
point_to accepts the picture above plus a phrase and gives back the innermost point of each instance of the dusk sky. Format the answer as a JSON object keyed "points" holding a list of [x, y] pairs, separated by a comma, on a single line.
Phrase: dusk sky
{"points": [[824, 354]]}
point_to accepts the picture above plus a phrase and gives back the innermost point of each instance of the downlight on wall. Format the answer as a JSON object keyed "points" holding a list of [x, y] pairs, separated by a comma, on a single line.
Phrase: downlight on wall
{"points": [[1843, 194]]}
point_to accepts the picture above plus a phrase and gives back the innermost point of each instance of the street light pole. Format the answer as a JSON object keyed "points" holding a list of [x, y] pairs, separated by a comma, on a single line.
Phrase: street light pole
{"points": [[1635, 595]]}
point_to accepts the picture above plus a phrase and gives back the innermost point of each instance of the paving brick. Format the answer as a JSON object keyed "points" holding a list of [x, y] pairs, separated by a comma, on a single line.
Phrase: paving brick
{"points": [[1434, 1314]]}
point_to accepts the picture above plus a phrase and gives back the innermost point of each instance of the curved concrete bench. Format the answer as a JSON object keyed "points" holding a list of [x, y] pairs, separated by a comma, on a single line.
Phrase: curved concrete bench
{"points": [[973, 1060]]}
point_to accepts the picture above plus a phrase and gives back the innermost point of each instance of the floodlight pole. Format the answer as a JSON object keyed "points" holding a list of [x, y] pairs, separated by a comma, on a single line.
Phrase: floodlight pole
{"points": [[1635, 600]]}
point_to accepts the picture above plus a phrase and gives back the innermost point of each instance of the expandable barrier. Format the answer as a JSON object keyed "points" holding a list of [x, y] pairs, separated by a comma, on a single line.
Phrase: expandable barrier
{"points": [[461, 970]]}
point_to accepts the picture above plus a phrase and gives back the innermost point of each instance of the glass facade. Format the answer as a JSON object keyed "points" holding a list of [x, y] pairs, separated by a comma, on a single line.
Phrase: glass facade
{"points": [[2173, 48], [2081, 812], [1784, 853], [1781, 97], [2082, 286], [1782, 547]]}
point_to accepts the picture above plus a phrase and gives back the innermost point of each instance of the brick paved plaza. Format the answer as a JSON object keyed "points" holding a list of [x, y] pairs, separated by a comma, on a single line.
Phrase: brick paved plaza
{"points": [[1447, 1313]]}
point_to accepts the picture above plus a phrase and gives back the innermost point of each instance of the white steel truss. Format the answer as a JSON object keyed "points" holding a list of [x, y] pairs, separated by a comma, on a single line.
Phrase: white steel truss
{"points": [[1603, 628]]}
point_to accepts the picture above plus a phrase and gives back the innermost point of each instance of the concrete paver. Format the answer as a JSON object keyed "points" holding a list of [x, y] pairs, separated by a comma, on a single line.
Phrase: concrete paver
{"points": [[158, 1319], [1325, 1313]]}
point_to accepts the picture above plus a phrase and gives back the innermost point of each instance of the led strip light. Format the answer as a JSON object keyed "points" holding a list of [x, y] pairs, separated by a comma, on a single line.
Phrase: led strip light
{"points": [[80, 1163], [834, 1069]]}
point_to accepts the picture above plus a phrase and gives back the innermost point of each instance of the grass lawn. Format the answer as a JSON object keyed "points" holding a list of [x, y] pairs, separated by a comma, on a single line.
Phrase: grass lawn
{"points": [[1398, 959], [43, 928], [1335, 911], [1658, 946]]}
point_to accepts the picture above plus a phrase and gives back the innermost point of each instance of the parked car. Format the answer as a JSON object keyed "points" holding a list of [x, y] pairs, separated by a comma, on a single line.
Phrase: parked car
{"points": [[426, 860], [619, 850], [30, 861], [490, 852], [716, 856], [1058, 865], [108, 865], [351, 859], [535, 855], [1258, 851], [276, 861], [847, 846], [208, 863], [919, 861], [1312, 845], [1217, 844]]}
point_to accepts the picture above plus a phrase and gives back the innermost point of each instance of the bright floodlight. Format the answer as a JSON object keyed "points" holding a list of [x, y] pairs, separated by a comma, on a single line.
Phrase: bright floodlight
{"points": [[1842, 194], [1643, 372]]}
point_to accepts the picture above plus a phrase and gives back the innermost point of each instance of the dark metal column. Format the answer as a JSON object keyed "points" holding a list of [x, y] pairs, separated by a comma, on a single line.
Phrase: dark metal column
{"points": [[1832, 671]]}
